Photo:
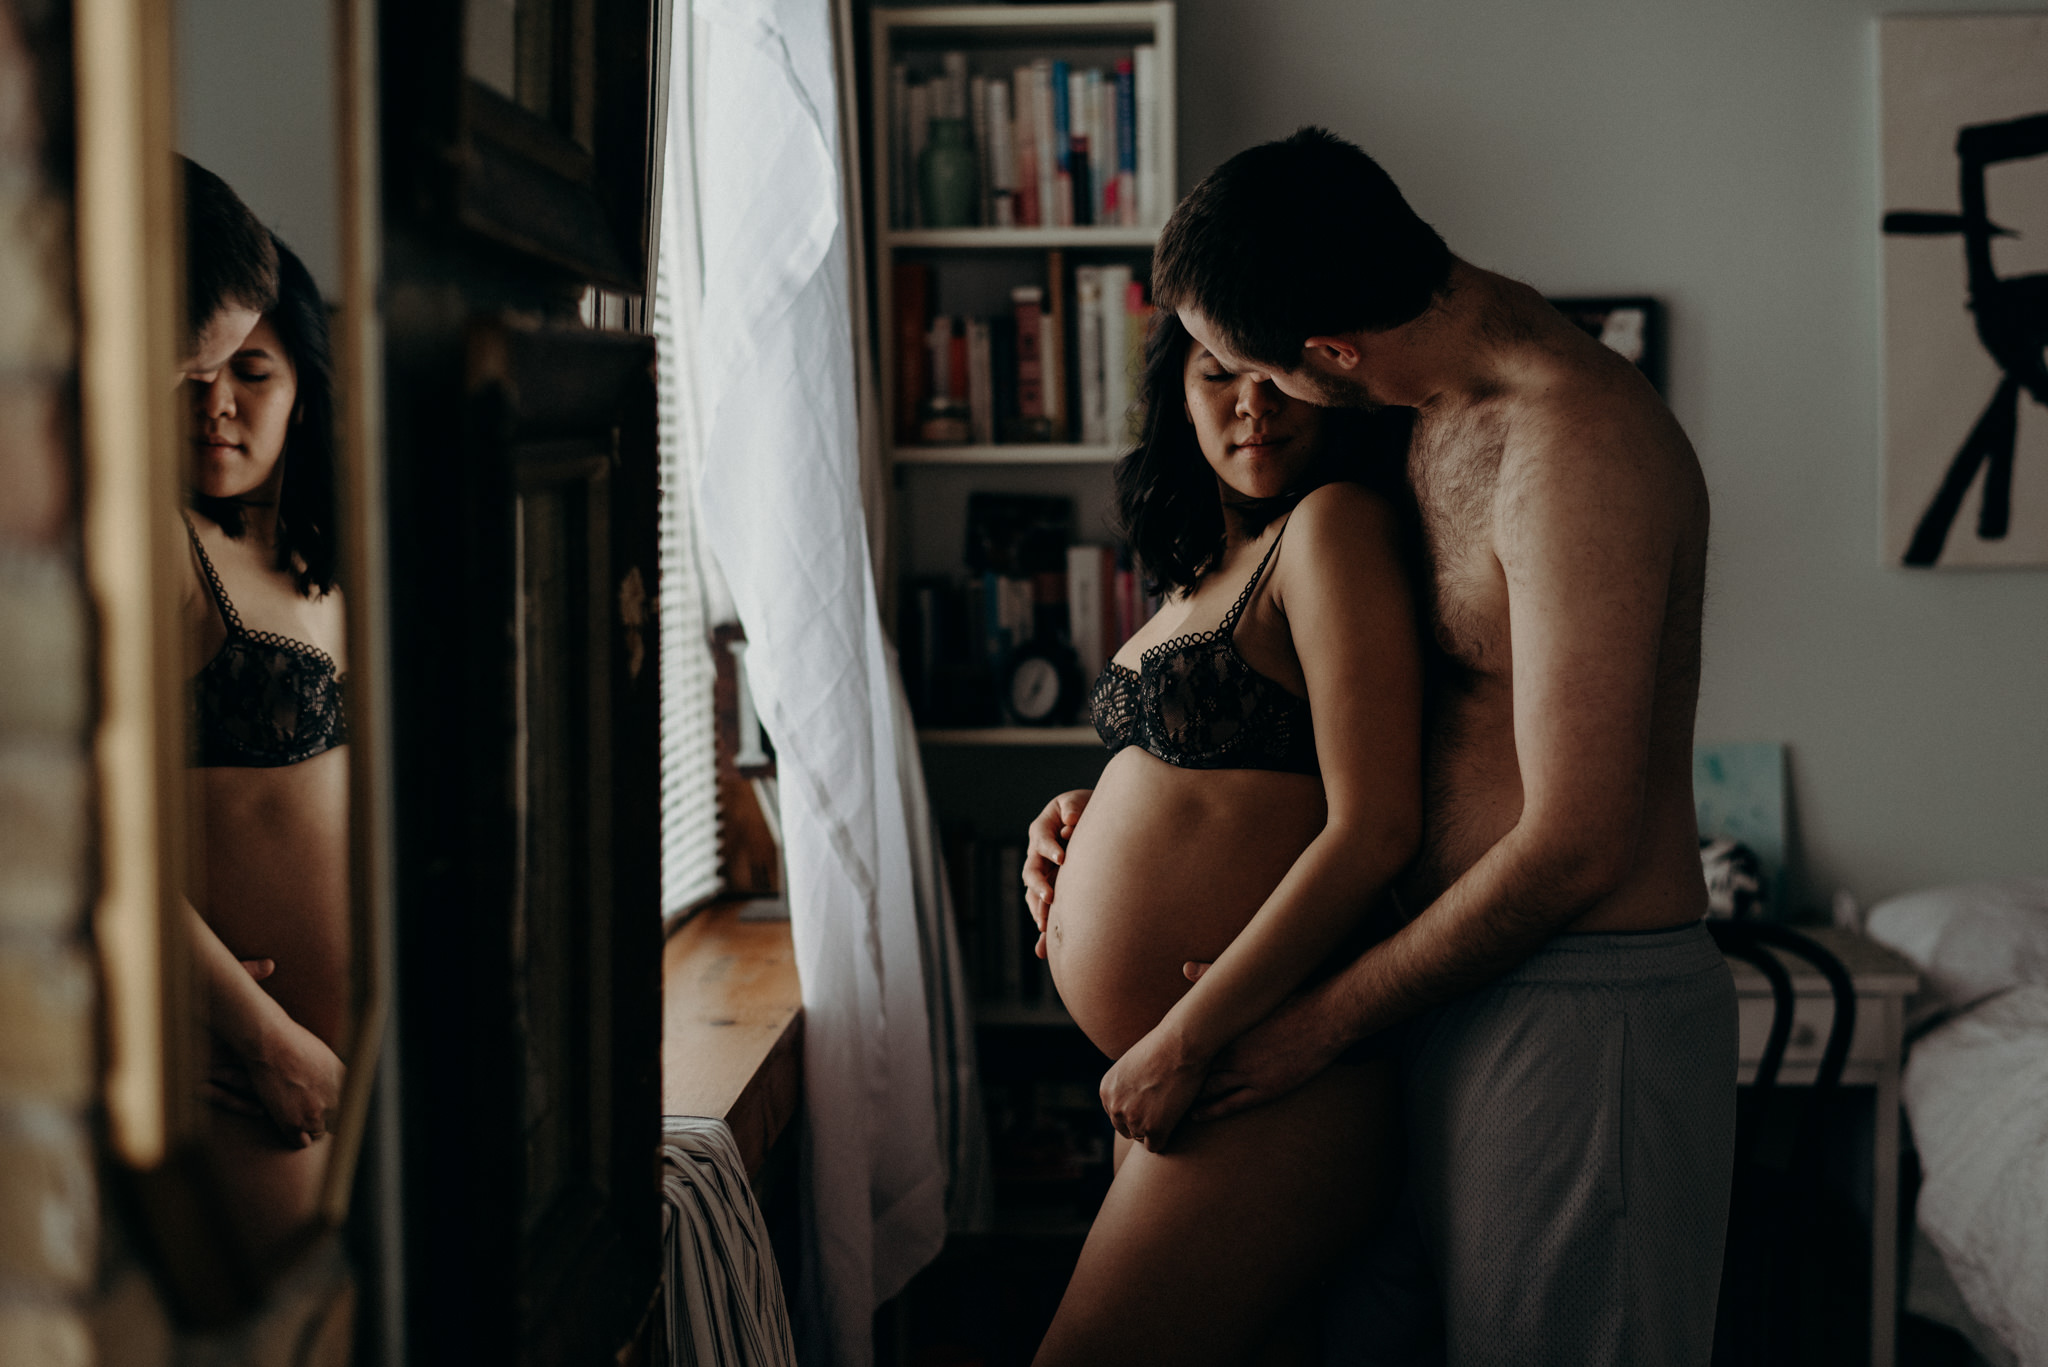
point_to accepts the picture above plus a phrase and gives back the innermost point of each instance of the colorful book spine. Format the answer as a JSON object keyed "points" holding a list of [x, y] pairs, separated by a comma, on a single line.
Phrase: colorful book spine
{"points": [[1088, 352], [1090, 573], [1062, 136], [1024, 147], [1028, 301], [910, 288], [1081, 181], [956, 364], [1042, 129], [1080, 211], [1054, 333], [1002, 178], [1101, 149], [1126, 146], [1153, 193], [1129, 597], [939, 347], [1116, 380], [981, 412], [977, 117], [1137, 330]]}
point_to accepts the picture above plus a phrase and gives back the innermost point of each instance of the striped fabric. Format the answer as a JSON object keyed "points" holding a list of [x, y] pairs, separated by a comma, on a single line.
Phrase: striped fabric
{"points": [[724, 1294]]}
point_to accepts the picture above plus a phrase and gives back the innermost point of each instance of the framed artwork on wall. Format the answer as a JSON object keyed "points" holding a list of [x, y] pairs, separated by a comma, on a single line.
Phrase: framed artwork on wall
{"points": [[1963, 130], [1632, 325]]}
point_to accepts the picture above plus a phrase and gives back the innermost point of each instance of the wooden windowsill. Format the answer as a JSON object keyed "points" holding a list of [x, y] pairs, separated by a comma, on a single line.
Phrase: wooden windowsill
{"points": [[732, 1026]]}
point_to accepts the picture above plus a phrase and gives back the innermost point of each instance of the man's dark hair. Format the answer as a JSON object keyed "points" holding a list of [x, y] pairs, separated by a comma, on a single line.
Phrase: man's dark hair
{"points": [[1168, 505], [229, 256], [306, 545], [1296, 239]]}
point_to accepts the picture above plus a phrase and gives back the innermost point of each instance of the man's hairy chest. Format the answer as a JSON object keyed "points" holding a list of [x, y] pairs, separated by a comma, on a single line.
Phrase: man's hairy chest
{"points": [[1455, 469]]}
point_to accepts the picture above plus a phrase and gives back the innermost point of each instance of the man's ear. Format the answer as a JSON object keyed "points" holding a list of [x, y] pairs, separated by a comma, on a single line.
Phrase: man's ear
{"points": [[1338, 353]]}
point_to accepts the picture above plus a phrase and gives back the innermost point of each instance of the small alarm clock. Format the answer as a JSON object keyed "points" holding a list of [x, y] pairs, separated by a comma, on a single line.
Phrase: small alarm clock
{"points": [[1041, 685]]}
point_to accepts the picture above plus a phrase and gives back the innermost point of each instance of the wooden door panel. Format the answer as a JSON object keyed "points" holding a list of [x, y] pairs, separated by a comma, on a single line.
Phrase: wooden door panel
{"points": [[530, 891]]}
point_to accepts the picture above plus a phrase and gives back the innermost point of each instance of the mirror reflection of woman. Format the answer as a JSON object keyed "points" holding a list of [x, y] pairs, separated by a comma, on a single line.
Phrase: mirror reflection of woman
{"points": [[271, 894]]}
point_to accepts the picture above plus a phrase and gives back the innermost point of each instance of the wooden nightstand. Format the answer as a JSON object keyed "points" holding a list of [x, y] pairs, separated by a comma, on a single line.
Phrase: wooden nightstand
{"points": [[1883, 982]]}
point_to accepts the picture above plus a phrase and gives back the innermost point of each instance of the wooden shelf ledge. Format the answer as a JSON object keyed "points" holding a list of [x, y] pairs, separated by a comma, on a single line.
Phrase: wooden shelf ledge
{"points": [[732, 1026]]}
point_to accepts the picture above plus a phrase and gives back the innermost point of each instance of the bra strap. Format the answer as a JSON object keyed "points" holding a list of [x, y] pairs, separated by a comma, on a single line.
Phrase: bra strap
{"points": [[1229, 622], [228, 616]]}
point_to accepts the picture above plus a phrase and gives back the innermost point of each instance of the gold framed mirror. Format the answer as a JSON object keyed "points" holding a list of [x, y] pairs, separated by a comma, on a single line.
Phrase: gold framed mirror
{"points": [[243, 918]]}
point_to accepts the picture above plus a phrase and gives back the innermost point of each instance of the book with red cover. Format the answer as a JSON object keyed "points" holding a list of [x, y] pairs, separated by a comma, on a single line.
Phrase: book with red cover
{"points": [[1055, 358], [911, 288]]}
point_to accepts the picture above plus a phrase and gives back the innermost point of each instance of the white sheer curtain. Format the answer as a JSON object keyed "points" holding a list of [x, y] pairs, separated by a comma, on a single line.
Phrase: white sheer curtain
{"points": [[780, 511]]}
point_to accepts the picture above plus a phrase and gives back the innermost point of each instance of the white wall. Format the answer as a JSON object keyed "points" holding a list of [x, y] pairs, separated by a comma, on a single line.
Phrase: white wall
{"points": [[1720, 154], [256, 107]]}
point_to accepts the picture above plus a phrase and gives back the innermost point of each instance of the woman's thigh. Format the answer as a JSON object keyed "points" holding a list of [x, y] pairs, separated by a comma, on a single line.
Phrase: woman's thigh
{"points": [[1197, 1250]]}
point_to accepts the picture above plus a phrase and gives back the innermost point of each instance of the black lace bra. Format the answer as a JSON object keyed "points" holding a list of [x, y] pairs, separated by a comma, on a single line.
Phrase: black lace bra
{"points": [[1194, 702], [263, 700]]}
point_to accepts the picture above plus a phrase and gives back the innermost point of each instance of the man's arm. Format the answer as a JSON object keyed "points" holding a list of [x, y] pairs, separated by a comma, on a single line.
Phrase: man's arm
{"points": [[1586, 540]]}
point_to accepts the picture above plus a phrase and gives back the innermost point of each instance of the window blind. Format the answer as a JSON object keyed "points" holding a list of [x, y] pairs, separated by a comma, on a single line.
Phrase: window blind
{"points": [[689, 777]]}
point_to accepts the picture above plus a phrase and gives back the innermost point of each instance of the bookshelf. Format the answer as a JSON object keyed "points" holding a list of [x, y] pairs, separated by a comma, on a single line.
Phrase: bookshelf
{"points": [[972, 270], [986, 781]]}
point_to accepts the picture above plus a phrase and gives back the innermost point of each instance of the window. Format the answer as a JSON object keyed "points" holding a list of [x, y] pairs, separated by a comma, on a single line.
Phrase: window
{"points": [[689, 779]]}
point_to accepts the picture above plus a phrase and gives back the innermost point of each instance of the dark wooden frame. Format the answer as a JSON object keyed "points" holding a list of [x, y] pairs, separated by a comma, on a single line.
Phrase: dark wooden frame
{"points": [[572, 191], [523, 1006]]}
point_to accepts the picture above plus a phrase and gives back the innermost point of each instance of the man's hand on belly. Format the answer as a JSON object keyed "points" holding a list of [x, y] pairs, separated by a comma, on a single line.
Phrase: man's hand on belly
{"points": [[1271, 1059], [1045, 850]]}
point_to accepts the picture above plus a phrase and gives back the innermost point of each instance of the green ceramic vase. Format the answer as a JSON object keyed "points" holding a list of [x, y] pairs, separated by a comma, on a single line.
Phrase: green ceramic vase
{"points": [[946, 175]]}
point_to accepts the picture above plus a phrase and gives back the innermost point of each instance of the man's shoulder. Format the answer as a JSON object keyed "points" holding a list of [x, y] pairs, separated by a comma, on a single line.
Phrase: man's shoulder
{"points": [[1583, 417]]}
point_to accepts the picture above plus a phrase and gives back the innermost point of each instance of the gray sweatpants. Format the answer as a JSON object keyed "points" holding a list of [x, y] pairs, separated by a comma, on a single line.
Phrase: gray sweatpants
{"points": [[1571, 1130]]}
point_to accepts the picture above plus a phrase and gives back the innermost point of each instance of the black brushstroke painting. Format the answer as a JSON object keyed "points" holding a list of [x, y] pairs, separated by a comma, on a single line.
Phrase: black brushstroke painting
{"points": [[2012, 323]]}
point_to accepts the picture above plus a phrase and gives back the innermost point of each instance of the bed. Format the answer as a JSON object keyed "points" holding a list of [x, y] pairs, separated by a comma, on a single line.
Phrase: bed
{"points": [[1976, 1094]]}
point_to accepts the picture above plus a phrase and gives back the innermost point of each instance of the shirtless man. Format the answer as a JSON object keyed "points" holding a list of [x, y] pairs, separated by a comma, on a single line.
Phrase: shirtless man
{"points": [[1565, 1026]]}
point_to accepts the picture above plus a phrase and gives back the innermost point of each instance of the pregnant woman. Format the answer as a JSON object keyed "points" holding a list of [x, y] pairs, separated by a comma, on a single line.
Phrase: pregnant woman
{"points": [[271, 763], [1263, 791]]}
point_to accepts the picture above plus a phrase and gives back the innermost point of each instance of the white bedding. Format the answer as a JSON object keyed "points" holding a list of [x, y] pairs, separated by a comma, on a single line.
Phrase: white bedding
{"points": [[1976, 1089]]}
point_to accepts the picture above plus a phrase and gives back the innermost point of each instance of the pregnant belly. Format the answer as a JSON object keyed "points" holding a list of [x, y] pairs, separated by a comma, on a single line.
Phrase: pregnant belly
{"points": [[1165, 866], [274, 881]]}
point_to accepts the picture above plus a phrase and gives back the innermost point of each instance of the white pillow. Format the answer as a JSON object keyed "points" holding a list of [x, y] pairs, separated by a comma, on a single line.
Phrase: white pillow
{"points": [[1969, 942]]}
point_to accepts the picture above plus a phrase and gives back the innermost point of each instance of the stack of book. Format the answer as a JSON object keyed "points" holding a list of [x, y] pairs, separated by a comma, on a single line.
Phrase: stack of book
{"points": [[1055, 146], [1044, 372], [1028, 583]]}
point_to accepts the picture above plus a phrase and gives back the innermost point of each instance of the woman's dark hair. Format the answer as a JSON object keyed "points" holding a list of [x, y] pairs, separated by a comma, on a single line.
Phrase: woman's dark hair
{"points": [[1296, 239], [1167, 502], [230, 257], [306, 547]]}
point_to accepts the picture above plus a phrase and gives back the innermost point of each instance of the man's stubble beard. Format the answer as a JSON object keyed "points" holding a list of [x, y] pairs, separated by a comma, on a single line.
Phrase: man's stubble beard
{"points": [[1330, 391]]}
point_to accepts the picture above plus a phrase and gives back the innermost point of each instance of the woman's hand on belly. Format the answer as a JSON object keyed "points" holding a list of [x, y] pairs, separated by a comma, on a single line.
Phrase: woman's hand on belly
{"points": [[297, 1078], [1150, 1088]]}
